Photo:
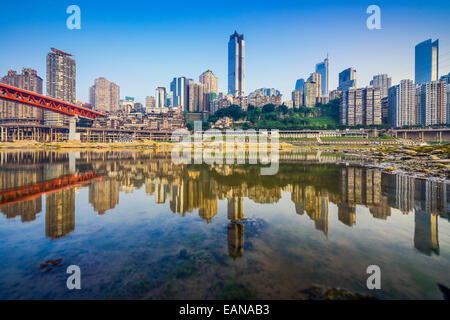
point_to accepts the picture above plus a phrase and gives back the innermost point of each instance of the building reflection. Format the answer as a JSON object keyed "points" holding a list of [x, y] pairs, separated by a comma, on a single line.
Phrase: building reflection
{"points": [[60, 213], [190, 189]]}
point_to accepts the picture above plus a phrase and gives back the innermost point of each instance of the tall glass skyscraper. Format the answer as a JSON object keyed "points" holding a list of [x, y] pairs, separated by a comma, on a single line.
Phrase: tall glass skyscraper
{"points": [[179, 88], [324, 69], [427, 61], [236, 49]]}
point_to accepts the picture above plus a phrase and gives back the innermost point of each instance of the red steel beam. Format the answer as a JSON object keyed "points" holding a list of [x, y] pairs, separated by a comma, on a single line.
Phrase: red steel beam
{"points": [[32, 191], [14, 94]]}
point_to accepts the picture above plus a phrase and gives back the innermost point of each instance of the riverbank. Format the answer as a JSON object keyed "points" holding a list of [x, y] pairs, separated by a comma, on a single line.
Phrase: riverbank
{"points": [[419, 161]]}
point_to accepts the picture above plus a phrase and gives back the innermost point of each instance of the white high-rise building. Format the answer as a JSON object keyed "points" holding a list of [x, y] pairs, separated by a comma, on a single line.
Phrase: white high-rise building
{"points": [[402, 104], [382, 82]]}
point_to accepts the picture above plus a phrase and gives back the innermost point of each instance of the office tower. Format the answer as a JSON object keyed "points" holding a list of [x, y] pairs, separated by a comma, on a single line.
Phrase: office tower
{"points": [[61, 83], [18, 112], [323, 68], [297, 98], [104, 96], [360, 107], [382, 82], [427, 61], [299, 84], [195, 97], [236, 77], [347, 79], [402, 104], [179, 88], [160, 97], [432, 104], [372, 106]]}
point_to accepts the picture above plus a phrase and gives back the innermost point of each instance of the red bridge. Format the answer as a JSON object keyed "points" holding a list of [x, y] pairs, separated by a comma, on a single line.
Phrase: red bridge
{"points": [[29, 192], [14, 94]]}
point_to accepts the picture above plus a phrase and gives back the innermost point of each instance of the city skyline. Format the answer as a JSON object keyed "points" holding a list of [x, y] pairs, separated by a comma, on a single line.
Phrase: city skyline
{"points": [[282, 63]]}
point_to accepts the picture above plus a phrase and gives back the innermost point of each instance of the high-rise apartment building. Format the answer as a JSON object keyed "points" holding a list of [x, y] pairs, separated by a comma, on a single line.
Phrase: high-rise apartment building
{"points": [[432, 103], [150, 102], [19, 112], [402, 104], [210, 86], [160, 97], [427, 61], [104, 96], [312, 90], [360, 106], [297, 98], [372, 106], [323, 68], [347, 79], [61, 83], [382, 82], [196, 101], [236, 70], [179, 87]]}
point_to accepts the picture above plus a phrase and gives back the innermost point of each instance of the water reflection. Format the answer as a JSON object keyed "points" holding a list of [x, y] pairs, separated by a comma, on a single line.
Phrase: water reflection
{"points": [[25, 177]]}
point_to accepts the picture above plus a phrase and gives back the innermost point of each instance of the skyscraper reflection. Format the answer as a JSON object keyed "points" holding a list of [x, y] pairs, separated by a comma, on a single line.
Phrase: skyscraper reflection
{"points": [[187, 189]]}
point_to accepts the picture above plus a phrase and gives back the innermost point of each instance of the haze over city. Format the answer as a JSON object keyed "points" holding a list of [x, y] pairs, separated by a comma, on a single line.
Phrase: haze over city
{"points": [[141, 46]]}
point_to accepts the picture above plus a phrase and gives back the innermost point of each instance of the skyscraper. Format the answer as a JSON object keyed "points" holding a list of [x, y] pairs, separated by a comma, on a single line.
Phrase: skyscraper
{"points": [[382, 82], [299, 84], [179, 87], [61, 83], [432, 103], [236, 78], [427, 61], [360, 107], [347, 79], [196, 101], [402, 104], [104, 96], [160, 97], [323, 68], [210, 87], [13, 111]]}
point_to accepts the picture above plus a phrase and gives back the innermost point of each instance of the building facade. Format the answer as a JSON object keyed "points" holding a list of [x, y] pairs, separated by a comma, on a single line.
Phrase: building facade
{"points": [[432, 103], [18, 112], [402, 104], [360, 106], [382, 82], [104, 96], [179, 88], [427, 61], [347, 79], [61, 83], [323, 68], [160, 97], [236, 70]]}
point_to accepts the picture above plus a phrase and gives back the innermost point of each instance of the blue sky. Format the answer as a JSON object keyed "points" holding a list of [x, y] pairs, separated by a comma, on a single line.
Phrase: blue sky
{"points": [[144, 44]]}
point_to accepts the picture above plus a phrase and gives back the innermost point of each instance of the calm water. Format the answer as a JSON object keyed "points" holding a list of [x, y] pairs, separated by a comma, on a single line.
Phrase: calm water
{"points": [[141, 227]]}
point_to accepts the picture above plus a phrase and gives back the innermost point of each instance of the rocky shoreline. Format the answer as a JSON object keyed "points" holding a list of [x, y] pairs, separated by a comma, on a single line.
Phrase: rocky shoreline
{"points": [[420, 161]]}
